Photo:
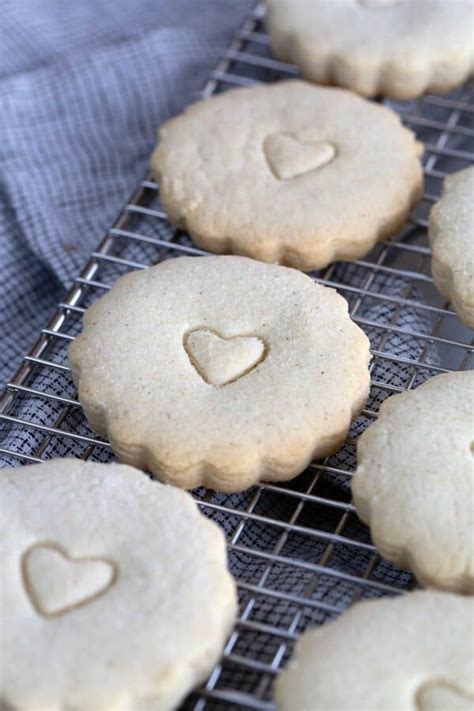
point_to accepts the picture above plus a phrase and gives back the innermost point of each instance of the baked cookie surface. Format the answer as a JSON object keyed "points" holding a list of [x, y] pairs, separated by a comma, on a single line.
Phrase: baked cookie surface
{"points": [[115, 589], [288, 172], [451, 233], [398, 48], [220, 371], [414, 481], [410, 653]]}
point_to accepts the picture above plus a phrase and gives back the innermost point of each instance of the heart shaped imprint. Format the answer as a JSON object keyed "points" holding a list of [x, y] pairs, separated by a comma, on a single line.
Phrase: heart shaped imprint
{"points": [[440, 696], [288, 157], [56, 583], [220, 360]]}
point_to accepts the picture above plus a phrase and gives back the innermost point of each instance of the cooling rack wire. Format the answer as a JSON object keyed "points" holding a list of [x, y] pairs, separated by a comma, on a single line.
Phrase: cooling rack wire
{"points": [[298, 551]]}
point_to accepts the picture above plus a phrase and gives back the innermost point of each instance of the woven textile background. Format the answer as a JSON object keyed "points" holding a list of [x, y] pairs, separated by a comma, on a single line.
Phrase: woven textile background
{"points": [[83, 87]]}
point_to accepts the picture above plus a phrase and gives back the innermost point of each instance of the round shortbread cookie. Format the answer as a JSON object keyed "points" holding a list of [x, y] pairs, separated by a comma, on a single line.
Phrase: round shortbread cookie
{"points": [[288, 172], [115, 589], [399, 48], [414, 481], [411, 653], [220, 371], [451, 232]]}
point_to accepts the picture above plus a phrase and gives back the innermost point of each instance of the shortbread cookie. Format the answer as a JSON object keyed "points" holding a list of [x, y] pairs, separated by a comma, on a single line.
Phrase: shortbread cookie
{"points": [[414, 482], [451, 232], [411, 653], [288, 172], [220, 371], [115, 590], [399, 48]]}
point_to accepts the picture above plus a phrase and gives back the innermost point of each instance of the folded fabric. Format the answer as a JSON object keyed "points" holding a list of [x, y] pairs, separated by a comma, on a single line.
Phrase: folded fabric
{"points": [[83, 87]]}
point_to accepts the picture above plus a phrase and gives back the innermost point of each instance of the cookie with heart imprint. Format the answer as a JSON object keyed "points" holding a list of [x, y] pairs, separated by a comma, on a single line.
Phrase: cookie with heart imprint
{"points": [[220, 371], [398, 48], [115, 589], [410, 653], [288, 172]]}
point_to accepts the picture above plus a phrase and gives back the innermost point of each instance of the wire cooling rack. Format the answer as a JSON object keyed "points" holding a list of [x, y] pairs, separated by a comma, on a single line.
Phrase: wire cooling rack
{"points": [[298, 551]]}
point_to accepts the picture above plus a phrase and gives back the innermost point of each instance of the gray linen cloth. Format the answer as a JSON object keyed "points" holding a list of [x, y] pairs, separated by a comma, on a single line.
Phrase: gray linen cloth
{"points": [[83, 87]]}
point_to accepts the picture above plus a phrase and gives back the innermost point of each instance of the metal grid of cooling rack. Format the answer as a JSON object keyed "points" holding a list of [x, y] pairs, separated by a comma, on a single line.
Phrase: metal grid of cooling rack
{"points": [[298, 551]]}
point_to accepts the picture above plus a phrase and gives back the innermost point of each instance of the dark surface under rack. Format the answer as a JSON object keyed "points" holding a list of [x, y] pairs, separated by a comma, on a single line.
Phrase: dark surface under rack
{"points": [[298, 551]]}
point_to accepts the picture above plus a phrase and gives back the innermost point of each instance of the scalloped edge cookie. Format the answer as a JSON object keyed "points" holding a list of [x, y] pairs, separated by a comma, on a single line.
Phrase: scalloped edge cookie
{"points": [[410, 652], [414, 481], [451, 234], [139, 385], [305, 187], [328, 41], [139, 636]]}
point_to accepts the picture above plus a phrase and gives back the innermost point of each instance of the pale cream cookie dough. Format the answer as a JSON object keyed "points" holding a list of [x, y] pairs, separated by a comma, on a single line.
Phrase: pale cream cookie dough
{"points": [[115, 591], [398, 48], [410, 653], [288, 172], [220, 371], [414, 483], [451, 233]]}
